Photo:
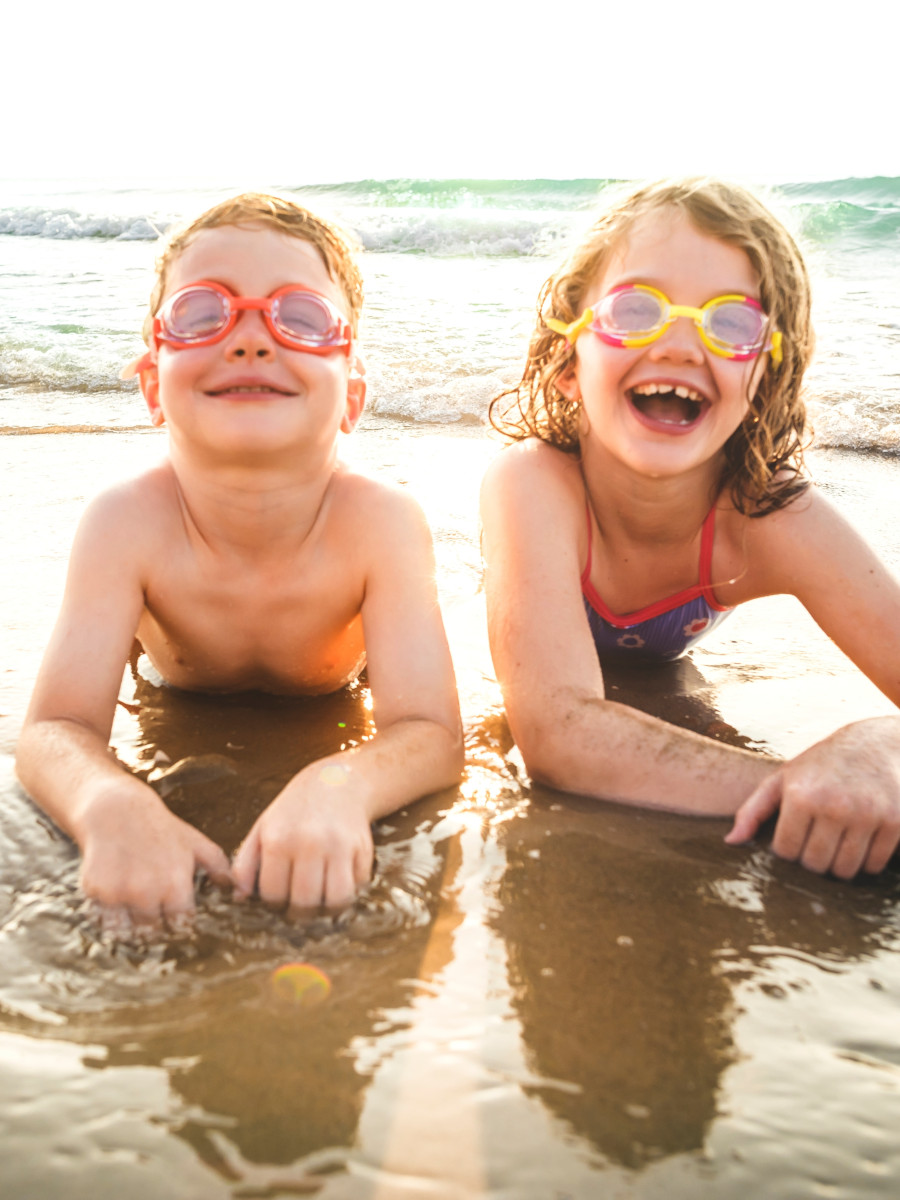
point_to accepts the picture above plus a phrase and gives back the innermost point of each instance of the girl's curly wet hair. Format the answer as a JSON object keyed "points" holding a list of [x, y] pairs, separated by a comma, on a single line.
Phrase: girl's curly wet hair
{"points": [[763, 465], [272, 212]]}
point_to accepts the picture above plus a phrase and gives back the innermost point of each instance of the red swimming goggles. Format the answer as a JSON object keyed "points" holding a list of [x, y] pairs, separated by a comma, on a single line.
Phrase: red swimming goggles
{"points": [[204, 313]]}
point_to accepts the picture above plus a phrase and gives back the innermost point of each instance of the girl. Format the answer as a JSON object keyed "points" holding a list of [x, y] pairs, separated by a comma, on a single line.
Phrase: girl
{"points": [[657, 482]]}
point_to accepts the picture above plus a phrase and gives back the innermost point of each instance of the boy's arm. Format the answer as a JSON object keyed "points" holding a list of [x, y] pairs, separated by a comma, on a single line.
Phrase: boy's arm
{"points": [[313, 844], [138, 858]]}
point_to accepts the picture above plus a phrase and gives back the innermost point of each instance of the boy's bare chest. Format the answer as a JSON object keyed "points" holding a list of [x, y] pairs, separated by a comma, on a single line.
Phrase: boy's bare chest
{"points": [[279, 627]]}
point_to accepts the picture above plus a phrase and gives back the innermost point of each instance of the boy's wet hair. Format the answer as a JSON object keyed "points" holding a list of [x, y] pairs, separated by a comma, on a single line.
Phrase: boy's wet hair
{"points": [[764, 457], [255, 208]]}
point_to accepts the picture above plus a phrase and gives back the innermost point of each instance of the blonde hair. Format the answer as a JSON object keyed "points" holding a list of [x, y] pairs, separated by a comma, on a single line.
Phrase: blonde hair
{"points": [[255, 208], [763, 465]]}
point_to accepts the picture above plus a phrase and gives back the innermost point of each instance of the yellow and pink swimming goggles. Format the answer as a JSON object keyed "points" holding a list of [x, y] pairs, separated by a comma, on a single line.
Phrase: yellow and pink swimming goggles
{"points": [[635, 314], [204, 313]]}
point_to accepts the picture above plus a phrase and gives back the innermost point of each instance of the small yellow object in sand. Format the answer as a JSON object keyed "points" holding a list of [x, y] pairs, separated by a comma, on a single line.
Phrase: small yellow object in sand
{"points": [[300, 984]]}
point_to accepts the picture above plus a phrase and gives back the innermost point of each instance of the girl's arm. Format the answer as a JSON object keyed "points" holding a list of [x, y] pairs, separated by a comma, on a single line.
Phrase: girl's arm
{"points": [[570, 736], [840, 799]]}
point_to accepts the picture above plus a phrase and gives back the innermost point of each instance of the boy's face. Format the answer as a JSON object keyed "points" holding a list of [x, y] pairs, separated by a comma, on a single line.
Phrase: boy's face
{"points": [[247, 393]]}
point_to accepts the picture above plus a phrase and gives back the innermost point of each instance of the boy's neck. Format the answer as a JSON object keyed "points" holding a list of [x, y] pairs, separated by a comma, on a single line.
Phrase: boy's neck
{"points": [[255, 510]]}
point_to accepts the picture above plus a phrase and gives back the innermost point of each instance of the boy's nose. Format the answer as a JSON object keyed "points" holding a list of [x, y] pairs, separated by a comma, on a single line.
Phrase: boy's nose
{"points": [[250, 338], [679, 342]]}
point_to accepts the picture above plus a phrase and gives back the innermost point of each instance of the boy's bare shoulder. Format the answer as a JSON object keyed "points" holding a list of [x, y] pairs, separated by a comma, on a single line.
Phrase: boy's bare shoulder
{"points": [[134, 510], [374, 505]]}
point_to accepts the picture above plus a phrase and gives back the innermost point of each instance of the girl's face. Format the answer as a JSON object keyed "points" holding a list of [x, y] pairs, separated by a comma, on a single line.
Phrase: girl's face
{"points": [[668, 407]]}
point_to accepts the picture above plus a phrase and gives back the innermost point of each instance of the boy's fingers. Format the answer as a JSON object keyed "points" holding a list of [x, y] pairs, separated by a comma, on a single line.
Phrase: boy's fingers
{"points": [[363, 862], [115, 921], [213, 860], [307, 885], [758, 807], [245, 867], [339, 886], [274, 883]]}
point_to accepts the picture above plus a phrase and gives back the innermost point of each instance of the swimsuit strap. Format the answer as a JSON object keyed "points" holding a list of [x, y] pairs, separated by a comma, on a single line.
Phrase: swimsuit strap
{"points": [[702, 588]]}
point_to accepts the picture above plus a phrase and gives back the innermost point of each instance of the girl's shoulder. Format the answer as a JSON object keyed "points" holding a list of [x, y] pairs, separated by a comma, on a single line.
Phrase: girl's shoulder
{"points": [[532, 468], [767, 554]]}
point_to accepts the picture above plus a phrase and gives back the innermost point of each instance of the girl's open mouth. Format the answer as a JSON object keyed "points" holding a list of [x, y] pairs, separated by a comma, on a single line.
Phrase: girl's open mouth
{"points": [[668, 406]]}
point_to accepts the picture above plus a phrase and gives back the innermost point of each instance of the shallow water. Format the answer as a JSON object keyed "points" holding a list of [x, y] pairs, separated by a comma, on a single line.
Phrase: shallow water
{"points": [[538, 996]]}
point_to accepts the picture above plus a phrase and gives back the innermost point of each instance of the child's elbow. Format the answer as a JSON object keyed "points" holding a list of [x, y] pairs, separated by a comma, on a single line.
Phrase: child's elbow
{"points": [[454, 753], [545, 752]]}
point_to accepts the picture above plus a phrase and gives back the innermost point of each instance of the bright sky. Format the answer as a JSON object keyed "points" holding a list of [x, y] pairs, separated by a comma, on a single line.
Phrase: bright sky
{"points": [[343, 90]]}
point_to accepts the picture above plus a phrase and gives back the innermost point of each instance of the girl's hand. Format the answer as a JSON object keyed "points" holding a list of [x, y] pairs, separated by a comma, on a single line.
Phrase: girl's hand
{"points": [[839, 802], [311, 847]]}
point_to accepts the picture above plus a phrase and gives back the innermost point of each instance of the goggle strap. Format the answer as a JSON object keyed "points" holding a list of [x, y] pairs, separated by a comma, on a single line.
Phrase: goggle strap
{"points": [[138, 367], [571, 331]]}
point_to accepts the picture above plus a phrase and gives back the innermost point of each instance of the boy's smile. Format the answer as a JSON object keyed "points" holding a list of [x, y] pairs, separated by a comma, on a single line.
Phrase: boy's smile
{"points": [[664, 407]]}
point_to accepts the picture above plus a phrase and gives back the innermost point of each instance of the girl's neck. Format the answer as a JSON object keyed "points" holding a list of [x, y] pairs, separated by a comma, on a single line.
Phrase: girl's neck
{"points": [[642, 508]]}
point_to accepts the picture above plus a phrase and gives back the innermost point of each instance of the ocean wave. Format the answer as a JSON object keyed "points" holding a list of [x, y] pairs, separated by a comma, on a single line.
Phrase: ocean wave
{"points": [[66, 224], [841, 219], [875, 191], [522, 194], [476, 217]]}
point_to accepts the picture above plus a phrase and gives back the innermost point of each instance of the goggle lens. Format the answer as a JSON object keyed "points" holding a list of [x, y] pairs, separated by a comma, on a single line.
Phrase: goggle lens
{"points": [[631, 312], [195, 314], [305, 317], [738, 326]]}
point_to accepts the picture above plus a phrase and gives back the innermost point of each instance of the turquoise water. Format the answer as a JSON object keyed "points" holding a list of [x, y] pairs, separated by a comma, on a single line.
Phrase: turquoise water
{"points": [[452, 270]]}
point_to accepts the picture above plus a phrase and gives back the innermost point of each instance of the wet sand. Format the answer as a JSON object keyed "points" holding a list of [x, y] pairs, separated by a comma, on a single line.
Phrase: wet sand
{"points": [[539, 996]]}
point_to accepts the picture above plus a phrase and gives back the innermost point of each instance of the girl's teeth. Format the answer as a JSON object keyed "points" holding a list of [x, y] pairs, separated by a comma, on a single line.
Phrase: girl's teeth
{"points": [[653, 389]]}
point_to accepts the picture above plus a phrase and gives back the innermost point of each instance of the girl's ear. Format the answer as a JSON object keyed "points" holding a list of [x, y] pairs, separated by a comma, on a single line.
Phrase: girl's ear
{"points": [[567, 383], [356, 395], [149, 378]]}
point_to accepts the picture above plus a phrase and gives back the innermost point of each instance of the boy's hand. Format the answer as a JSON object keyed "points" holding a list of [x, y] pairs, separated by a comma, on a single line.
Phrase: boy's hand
{"points": [[312, 846], [839, 801], [139, 860]]}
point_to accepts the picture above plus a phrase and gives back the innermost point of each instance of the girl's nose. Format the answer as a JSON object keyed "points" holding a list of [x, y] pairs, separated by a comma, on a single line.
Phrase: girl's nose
{"points": [[679, 342]]}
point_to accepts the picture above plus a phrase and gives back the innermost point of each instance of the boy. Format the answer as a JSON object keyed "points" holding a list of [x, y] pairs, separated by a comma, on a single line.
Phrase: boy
{"points": [[250, 558]]}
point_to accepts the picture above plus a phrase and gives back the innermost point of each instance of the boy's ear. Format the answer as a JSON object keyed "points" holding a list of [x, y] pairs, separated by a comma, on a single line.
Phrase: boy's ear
{"points": [[149, 378], [356, 395]]}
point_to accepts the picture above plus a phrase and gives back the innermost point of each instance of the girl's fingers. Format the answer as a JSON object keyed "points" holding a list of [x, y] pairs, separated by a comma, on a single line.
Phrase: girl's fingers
{"points": [[758, 807], [853, 852], [883, 846]]}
